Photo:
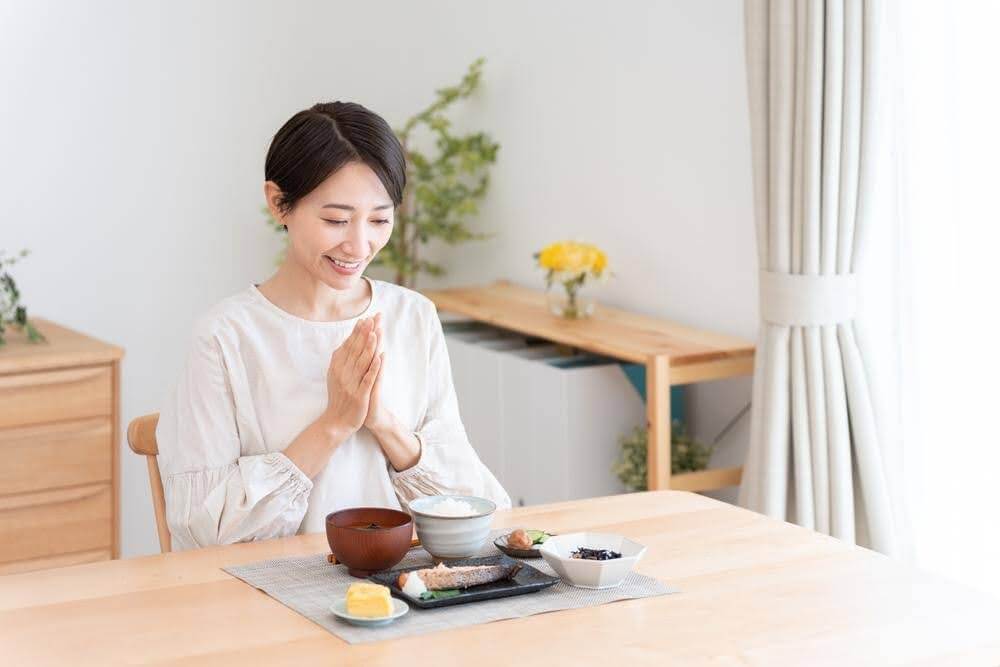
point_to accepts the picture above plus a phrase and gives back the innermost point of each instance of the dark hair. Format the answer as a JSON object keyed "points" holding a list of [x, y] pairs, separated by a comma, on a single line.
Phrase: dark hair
{"points": [[318, 141]]}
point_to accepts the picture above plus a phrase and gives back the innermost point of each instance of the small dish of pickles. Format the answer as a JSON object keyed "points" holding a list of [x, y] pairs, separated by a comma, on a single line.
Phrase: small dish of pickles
{"points": [[522, 543]]}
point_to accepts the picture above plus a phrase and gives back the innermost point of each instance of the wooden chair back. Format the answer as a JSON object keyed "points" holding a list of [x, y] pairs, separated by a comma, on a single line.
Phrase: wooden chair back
{"points": [[142, 440]]}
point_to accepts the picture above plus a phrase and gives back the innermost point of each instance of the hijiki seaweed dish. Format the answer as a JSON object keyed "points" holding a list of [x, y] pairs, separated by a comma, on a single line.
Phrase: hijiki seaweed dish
{"points": [[595, 554]]}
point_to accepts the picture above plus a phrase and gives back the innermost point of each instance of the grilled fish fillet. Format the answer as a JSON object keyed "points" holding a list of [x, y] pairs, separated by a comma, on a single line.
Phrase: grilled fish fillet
{"points": [[443, 577]]}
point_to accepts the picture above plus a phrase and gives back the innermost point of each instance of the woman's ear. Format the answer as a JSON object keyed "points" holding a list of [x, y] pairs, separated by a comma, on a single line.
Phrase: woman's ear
{"points": [[272, 195]]}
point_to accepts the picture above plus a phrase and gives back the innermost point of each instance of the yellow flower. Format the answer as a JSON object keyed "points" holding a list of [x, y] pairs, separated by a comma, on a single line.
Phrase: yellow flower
{"points": [[569, 259]]}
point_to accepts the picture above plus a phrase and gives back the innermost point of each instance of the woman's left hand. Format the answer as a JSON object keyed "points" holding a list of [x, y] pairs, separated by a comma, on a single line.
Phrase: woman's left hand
{"points": [[400, 446], [379, 417]]}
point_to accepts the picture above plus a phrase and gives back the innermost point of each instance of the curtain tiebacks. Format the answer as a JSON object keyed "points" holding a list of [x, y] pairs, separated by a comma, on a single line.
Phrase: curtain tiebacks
{"points": [[804, 300]]}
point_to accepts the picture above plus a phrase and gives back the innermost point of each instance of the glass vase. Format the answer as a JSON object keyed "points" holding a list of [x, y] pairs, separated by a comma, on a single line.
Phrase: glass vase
{"points": [[572, 304]]}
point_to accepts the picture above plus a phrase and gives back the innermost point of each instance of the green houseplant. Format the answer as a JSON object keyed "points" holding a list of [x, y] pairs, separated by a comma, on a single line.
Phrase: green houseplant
{"points": [[444, 186], [12, 313], [686, 455]]}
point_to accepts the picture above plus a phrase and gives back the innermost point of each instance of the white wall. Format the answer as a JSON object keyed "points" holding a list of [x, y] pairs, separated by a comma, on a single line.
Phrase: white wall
{"points": [[134, 134]]}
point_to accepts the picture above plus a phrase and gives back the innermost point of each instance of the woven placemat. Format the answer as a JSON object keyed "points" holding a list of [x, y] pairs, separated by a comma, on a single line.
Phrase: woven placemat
{"points": [[309, 585]]}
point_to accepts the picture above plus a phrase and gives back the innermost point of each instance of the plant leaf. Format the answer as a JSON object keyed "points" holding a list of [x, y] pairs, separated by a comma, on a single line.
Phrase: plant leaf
{"points": [[439, 595]]}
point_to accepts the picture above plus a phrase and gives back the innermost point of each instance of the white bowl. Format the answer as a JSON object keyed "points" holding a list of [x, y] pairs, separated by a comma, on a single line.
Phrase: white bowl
{"points": [[558, 549], [452, 536]]}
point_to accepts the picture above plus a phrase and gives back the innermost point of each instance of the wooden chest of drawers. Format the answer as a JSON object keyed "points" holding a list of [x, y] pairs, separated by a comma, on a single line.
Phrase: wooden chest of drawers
{"points": [[59, 435]]}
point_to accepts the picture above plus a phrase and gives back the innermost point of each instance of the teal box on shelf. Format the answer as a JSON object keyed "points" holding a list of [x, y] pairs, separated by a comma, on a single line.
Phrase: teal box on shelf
{"points": [[636, 374]]}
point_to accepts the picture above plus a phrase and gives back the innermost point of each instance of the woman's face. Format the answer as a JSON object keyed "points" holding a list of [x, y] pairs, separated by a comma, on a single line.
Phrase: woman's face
{"points": [[336, 230]]}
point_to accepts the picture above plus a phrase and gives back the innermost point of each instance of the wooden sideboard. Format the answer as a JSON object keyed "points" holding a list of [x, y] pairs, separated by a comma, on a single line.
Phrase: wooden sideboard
{"points": [[59, 416], [673, 354]]}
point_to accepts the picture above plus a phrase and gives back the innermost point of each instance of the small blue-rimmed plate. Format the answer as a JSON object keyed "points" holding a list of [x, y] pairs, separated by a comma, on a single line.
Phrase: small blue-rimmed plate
{"points": [[339, 608]]}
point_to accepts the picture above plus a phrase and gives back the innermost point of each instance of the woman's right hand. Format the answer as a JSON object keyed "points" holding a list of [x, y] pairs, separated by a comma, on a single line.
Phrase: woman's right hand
{"points": [[352, 372]]}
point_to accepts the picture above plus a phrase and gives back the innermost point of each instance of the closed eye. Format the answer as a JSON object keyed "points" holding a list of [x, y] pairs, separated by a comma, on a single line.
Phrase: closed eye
{"points": [[336, 222], [383, 221]]}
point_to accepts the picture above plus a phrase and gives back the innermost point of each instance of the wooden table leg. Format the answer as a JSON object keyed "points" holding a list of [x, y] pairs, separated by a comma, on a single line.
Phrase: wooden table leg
{"points": [[658, 422]]}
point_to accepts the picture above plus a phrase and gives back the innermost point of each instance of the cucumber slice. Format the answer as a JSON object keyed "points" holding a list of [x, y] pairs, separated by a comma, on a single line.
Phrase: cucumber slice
{"points": [[537, 536]]}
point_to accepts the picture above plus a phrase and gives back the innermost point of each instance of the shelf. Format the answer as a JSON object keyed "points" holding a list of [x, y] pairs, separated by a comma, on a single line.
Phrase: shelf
{"points": [[706, 480], [610, 331], [673, 354]]}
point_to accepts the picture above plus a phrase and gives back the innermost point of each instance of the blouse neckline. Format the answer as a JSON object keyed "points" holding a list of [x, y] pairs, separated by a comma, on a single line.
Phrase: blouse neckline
{"points": [[267, 303]]}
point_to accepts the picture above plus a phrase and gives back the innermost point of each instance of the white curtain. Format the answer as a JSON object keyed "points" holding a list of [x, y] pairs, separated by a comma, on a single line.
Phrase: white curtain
{"points": [[815, 455]]}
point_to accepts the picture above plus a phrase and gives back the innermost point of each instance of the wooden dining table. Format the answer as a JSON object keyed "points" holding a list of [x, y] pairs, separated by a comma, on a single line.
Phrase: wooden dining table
{"points": [[753, 591]]}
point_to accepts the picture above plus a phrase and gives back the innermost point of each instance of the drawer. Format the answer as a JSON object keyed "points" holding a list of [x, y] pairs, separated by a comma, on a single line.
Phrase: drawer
{"points": [[59, 560], [72, 393], [49, 456], [36, 525]]}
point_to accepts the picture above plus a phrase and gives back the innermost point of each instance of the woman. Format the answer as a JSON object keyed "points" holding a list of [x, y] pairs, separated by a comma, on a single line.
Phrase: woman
{"points": [[320, 388]]}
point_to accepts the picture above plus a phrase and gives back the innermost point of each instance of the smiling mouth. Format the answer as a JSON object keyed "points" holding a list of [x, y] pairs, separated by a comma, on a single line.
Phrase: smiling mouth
{"points": [[343, 264]]}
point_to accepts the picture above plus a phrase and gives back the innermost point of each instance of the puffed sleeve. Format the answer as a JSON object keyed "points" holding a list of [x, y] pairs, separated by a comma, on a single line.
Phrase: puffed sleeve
{"points": [[214, 495], [448, 464]]}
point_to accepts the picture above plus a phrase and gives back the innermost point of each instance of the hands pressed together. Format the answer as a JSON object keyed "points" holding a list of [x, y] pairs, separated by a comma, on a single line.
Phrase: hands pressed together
{"points": [[354, 379], [354, 399]]}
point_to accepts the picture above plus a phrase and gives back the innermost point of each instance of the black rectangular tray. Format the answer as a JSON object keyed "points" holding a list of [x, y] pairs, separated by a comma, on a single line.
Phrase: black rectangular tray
{"points": [[527, 580]]}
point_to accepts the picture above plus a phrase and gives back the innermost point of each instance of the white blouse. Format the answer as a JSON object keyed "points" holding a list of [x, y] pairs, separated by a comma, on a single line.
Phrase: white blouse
{"points": [[255, 377]]}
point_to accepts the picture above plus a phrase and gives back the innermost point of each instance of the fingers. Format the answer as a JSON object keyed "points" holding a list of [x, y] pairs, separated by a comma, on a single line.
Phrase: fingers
{"points": [[373, 372], [381, 366], [361, 335], [355, 342], [362, 346], [368, 352], [364, 359], [379, 331], [347, 347]]}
